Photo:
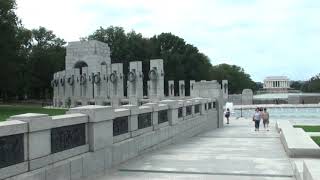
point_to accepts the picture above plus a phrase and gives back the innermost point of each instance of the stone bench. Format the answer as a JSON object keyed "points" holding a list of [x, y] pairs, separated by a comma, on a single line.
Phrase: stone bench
{"points": [[311, 170], [298, 143], [283, 124]]}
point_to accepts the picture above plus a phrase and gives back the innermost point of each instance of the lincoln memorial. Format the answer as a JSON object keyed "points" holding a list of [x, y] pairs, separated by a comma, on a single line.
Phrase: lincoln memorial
{"points": [[276, 84]]}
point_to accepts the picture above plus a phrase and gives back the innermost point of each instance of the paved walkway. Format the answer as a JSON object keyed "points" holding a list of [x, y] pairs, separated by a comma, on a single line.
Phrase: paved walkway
{"points": [[235, 152]]}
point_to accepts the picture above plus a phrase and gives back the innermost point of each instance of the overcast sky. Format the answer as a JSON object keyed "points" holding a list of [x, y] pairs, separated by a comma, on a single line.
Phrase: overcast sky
{"points": [[265, 37]]}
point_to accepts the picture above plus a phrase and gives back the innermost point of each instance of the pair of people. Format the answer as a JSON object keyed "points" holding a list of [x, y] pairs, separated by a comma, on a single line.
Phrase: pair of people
{"points": [[261, 114]]}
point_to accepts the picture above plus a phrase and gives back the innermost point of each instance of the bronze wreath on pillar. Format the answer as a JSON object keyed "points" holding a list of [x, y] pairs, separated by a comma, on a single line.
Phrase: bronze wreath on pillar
{"points": [[70, 80], [113, 77], [153, 75], [62, 81], [132, 76], [83, 79], [96, 78]]}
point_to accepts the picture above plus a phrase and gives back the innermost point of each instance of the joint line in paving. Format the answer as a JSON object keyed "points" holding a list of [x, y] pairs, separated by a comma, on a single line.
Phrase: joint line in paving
{"points": [[207, 173], [239, 137]]}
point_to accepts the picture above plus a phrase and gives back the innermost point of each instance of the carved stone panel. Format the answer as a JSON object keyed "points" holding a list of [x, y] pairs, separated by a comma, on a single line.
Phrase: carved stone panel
{"points": [[188, 110], [197, 108], [67, 137], [120, 125], [162, 116], [180, 112], [11, 150], [144, 120]]}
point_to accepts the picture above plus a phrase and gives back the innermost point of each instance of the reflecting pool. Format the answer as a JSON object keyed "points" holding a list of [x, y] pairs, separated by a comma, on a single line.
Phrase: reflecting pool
{"points": [[297, 115]]}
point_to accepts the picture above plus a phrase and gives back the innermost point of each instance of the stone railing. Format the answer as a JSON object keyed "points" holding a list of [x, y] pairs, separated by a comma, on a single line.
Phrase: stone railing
{"points": [[90, 139]]}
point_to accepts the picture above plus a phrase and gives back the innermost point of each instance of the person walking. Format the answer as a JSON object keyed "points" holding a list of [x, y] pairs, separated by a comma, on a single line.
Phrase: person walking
{"points": [[265, 119], [227, 115], [256, 118]]}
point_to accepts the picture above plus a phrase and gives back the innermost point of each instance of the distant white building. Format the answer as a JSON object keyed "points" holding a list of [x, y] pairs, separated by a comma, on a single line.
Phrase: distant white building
{"points": [[276, 84]]}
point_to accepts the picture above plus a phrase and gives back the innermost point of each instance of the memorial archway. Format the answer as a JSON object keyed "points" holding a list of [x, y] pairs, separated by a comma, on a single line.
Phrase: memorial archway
{"points": [[80, 65]]}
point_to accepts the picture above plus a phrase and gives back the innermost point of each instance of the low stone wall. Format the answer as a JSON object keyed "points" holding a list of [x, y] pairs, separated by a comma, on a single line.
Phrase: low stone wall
{"points": [[296, 142], [304, 99], [90, 139]]}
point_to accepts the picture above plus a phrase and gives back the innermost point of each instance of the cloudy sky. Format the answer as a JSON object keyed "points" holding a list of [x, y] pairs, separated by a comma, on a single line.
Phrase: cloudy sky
{"points": [[265, 37]]}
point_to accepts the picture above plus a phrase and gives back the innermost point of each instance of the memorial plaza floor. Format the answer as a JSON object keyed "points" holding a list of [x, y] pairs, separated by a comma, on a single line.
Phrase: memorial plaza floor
{"points": [[233, 152]]}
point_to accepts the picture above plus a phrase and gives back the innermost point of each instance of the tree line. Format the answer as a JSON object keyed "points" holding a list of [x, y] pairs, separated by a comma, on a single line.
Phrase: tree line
{"points": [[28, 58], [311, 85]]}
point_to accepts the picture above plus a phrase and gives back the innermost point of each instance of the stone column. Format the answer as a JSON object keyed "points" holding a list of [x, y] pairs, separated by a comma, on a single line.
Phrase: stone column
{"points": [[182, 89], [116, 78], [171, 88], [192, 93], [156, 75], [135, 83]]}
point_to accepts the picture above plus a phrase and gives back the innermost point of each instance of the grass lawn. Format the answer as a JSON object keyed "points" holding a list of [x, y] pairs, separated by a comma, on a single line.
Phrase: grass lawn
{"points": [[316, 139], [10, 110], [309, 128]]}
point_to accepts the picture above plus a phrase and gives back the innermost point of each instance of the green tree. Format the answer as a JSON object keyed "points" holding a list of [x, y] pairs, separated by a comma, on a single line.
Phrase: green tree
{"points": [[9, 47], [297, 85], [313, 85], [47, 56], [181, 60], [236, 76]]}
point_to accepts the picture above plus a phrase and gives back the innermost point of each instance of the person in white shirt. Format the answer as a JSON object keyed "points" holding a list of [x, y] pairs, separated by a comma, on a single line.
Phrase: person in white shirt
{"points": [[256, 118]]}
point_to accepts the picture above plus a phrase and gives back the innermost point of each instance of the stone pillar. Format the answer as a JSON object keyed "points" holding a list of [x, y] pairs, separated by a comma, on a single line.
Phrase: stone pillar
{"points": [[103, 82], [247, 97], [55, 86], [225, 90], [135, 82], [77, 87], [98, 82], [62, 88], [192, 92], [69, 84], [171, 88], [86, 86], [156, 75], [182, 88], [116, 79]]}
